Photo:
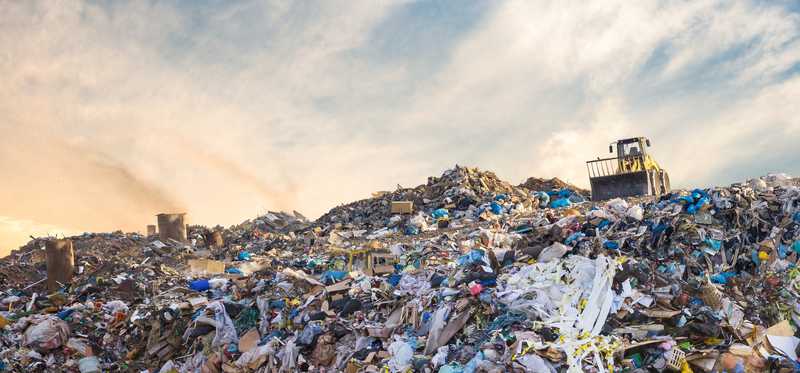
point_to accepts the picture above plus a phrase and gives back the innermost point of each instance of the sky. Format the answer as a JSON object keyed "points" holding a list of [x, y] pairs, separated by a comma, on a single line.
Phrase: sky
{"points": [[111, 112]]}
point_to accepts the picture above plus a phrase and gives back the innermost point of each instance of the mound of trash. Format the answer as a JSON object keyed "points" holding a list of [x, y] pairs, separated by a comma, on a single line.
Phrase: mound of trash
{"points": [[456, 189], [466, 274], [538, 184]]}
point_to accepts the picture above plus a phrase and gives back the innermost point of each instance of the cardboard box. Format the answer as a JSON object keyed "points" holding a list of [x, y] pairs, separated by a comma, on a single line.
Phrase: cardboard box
{"points": [[206, 266], [402, 207]]}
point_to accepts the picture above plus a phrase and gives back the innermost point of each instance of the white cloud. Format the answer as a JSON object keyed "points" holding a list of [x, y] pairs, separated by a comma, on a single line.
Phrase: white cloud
{"points": [[112, 113]]}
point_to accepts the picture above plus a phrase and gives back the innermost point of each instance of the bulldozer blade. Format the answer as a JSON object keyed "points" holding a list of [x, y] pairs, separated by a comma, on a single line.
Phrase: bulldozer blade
{"points": [[624, 185]]}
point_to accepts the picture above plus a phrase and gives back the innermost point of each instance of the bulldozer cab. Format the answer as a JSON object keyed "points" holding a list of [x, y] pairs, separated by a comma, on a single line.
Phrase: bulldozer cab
{"points": [[631, 154], [633, 172]]}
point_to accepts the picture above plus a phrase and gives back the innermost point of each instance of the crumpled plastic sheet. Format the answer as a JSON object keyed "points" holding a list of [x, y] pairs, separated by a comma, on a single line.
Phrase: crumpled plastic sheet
{"points": [[46, 333], [115, 306], [472, 364], [309, 334], [256, 357], [168, 367], [288, 356], [535, 364], [264, 318], [226, 332], [438, 322], [411, 285], [540, 291], [195, 363], [440, 358], [553, 252], [577, 344], [402, 355]]}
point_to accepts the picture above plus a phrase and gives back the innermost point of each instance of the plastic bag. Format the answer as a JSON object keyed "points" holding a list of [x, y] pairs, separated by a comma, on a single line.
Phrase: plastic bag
{"points": [[472, 365], [440, 213], [553, 252], [441, 356], [89, 364], [80, 346], [635, 212], [218, 283], [617, 206], [418, 222], [534, 364], [47, 333], [330, 277], [257, 356], [226, 332], [309, 334], [199, 285], [560, 203], [438, 323], [169, 367], [402, 355], [115, 306], [288, 356]]}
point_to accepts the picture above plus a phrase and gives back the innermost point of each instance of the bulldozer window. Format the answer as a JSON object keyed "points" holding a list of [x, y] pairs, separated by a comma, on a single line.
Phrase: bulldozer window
{"points": [[631, 149]]}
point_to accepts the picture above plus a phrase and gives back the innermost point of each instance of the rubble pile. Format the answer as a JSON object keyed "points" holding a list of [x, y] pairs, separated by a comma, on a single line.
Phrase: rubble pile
{"points": [[480, 276]]}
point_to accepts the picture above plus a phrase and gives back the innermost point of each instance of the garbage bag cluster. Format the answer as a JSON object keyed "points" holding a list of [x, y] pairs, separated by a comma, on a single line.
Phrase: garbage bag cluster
{"points": [[482, 276]]}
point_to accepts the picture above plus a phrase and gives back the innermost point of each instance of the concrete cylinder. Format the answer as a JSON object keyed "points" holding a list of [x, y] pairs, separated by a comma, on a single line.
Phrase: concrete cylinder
{"points": [[151, 230], [60, 263], [172, 226]]}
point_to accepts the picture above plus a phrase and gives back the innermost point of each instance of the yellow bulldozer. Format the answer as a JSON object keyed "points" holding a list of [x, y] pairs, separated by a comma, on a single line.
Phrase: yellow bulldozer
{"points": [[633, 172]]}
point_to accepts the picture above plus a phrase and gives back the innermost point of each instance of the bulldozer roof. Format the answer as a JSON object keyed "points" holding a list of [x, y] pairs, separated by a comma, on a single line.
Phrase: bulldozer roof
{"points": [[630, 140]]}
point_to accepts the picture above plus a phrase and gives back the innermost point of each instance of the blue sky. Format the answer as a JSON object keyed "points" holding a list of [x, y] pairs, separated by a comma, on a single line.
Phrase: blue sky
{"points": [[114, 111]]}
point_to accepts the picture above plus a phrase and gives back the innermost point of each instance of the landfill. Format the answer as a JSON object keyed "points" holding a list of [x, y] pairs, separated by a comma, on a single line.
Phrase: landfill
{"points": [[469, 274]]}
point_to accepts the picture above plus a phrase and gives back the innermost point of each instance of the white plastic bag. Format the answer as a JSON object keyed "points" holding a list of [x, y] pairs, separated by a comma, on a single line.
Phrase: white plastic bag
{"points": [[441, 356], [288, 356], [226, 332], [617, 206], [46, 333], [635, 212], [115, 306], [89, 364], [419, 222], [438, 322], [402, 355], [553, 252]]}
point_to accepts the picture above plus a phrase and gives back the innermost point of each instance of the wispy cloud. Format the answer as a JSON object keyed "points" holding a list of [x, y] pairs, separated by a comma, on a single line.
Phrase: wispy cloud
{"points": [[114, 112]]}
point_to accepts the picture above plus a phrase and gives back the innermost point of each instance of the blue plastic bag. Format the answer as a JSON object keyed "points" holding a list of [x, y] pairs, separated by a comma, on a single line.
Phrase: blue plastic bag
{"points": [[496, 208], [560, 203], [394, 279], [244, 255], [440, 213], [714, 244], [473, 257], [796, 246], [722, 278], [199, 285], [329, 277], [574, 238]]}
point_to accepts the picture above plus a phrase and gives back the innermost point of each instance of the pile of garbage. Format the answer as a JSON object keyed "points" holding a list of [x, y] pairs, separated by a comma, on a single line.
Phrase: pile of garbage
{"points": [[480, 276], [457, 189], [538, 184]]}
